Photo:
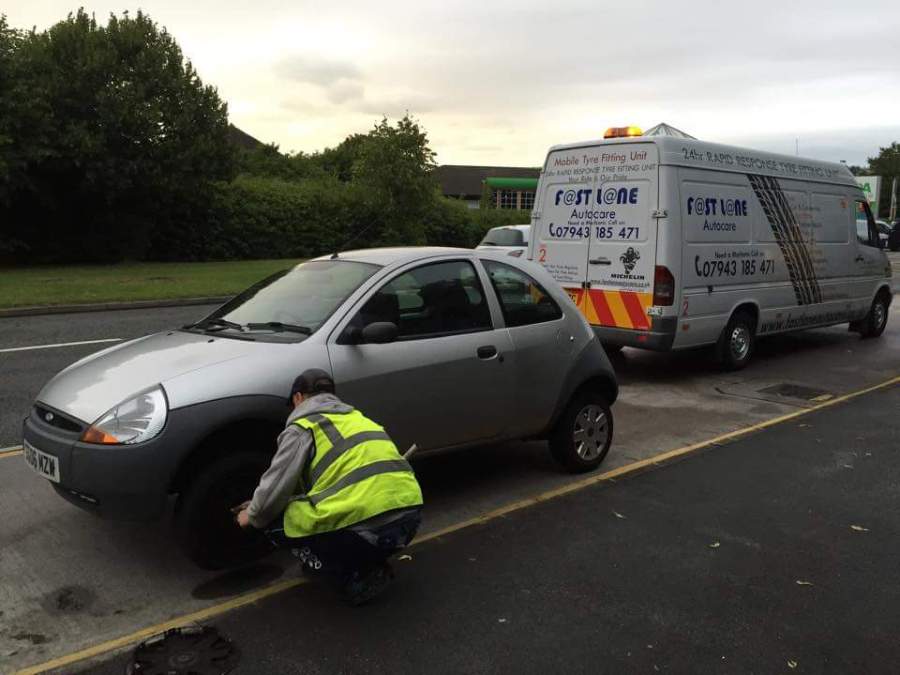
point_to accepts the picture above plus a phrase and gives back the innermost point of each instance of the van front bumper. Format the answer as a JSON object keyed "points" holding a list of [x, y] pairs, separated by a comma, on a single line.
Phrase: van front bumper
{"points": [[659, 338]]}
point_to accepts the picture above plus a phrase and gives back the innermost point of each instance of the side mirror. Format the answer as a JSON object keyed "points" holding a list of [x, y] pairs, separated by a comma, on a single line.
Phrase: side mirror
{"points": [[379, 333]]}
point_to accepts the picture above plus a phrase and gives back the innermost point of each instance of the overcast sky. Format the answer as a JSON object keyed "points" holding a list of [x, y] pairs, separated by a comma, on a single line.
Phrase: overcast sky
{"points": [[498, 82]]}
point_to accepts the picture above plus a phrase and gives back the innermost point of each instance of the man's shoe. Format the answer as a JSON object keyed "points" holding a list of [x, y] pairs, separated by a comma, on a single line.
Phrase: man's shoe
{"points": [[360, 590]]}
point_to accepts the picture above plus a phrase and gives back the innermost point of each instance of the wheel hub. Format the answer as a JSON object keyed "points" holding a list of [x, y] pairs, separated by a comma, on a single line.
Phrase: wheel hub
{"points": [[590, 432], [880, 314], [740, 342]]}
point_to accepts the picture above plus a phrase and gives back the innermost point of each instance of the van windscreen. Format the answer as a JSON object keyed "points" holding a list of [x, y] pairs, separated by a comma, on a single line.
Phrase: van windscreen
{"points": [[503, 236]]}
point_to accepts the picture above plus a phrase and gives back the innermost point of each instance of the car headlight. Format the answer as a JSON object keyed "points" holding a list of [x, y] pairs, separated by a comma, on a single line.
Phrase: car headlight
{"points": [[135, 420]]}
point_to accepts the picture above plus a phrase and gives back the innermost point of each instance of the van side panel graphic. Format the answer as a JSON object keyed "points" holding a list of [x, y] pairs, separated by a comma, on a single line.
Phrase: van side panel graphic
{"points": [[789, 237]]}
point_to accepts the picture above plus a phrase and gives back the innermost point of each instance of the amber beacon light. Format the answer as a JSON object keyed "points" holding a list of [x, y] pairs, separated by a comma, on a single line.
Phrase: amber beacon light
{"points": [[623, 132]]}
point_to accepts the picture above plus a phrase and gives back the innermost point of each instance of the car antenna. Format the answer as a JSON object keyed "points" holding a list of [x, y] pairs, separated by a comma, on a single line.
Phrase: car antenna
{"points": [[343, 247]]}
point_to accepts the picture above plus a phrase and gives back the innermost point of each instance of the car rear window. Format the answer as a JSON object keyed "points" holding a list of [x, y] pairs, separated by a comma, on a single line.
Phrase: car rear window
{"points": [[523, 300]]}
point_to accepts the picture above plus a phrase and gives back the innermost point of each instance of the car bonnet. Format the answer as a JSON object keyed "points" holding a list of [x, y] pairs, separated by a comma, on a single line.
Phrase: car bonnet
{"points": [[90, 387]]}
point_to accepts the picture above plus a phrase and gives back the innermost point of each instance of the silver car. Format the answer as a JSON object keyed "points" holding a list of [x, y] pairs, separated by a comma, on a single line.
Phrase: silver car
{"points": [[444, 347]]}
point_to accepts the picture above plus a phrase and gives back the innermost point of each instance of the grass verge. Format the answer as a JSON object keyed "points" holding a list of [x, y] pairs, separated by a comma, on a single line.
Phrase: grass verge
{"points": [[82, 284]]}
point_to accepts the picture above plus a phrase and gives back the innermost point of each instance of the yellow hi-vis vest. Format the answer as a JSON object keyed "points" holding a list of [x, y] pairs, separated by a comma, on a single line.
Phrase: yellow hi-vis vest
{"points": [[356, 473]]}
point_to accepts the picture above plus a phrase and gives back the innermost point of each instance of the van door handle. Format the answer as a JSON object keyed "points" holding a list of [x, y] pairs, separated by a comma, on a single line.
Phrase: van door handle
{"points": [[600, 261], [487, 352], [860, 258]]}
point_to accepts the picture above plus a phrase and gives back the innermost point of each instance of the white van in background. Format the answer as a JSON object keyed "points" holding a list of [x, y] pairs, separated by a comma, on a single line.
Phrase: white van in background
{"points": [[669, 243], [510, 238]]}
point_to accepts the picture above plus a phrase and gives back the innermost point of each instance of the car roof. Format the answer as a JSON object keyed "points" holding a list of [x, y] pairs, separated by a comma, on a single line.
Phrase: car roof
{"points": [[390, 256], [523, 227]]}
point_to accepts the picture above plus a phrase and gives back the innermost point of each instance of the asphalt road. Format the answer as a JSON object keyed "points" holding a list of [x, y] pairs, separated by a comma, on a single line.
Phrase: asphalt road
{"points": [[24, 372], [774, 553], [79, 581]]}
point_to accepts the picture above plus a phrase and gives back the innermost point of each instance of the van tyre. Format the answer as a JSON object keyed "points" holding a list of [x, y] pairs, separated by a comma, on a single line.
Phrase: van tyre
{"points": [[582, 435], [205, 527], [875, 321], [737, 341]]}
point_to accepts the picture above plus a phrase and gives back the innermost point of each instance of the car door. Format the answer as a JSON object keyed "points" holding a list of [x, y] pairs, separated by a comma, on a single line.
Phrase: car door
{"points": [[542, 344], [444, 381]]}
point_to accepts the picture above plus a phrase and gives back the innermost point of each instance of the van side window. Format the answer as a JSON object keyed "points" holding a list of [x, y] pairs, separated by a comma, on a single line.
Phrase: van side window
{"points": [[523, 300], [865, 225], [430, 301]]}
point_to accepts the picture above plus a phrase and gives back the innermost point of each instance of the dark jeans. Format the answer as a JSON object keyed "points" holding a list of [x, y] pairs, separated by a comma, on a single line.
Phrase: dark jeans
{"points": [[345, 553]]}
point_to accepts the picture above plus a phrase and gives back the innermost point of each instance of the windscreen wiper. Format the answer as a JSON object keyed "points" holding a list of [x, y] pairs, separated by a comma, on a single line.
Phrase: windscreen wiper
{"points": [[278, 326], [215, 323]]}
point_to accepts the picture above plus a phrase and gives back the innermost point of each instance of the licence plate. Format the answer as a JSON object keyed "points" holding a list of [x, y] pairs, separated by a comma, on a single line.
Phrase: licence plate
{"points": [[44, 464]]}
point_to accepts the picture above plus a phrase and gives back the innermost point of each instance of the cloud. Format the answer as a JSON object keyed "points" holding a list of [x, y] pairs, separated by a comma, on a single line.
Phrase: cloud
{"points": [[316, 70]]}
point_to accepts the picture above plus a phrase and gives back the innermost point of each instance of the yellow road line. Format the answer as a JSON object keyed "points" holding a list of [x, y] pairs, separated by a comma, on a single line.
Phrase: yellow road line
{"points": [[254, 596], [11, 452], [644, 463]]}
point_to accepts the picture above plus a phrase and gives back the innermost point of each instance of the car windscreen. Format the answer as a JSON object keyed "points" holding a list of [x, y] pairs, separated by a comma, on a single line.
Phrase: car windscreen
{"points": [[289, 305], [503, 236]]}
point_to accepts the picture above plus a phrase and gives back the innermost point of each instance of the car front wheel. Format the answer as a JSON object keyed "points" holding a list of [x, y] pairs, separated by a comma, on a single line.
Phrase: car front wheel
{"points": [[582, 436], [204, 524]]}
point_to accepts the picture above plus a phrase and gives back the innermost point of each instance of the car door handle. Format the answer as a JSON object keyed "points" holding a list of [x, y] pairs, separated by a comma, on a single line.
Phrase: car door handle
{"points": [[600, 261], [487, 352]]}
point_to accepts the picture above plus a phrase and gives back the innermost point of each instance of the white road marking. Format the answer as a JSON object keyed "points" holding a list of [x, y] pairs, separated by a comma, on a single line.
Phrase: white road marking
{"points": [[10, 449], [60, 344]]}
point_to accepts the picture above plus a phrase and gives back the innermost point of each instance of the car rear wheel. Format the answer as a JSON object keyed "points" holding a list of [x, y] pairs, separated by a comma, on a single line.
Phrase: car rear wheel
{"points": [[204, 524], [875, 321], [737, 341], [582, 436]]}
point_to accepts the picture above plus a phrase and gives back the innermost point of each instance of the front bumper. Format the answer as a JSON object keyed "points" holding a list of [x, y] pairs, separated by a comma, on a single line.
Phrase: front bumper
{"points": [[659, 338], [120, 482]]}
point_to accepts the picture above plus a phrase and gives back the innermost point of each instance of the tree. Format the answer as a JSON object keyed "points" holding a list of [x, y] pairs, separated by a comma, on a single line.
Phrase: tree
{"points": [[395, 164], [116, 153], [887, 165]]}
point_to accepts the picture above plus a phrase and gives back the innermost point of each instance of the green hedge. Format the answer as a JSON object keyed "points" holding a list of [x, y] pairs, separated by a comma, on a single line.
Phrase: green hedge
{"points": [[262, 217]]}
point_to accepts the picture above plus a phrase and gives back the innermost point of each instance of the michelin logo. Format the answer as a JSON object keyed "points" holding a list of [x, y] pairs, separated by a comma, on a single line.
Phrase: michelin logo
{"points": [[601, 196]]}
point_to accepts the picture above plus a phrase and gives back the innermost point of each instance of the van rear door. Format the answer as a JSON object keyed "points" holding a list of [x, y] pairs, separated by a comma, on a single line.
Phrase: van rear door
{"points": [[598, 232]]}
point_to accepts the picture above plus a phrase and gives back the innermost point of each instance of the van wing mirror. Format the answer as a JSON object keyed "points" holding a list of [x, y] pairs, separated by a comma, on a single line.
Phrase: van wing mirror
{"points": [[379, 333]]}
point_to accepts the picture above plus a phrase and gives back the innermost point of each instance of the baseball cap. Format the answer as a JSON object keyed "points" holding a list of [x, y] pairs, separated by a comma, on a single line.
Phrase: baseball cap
{"points": [[312, 381]]}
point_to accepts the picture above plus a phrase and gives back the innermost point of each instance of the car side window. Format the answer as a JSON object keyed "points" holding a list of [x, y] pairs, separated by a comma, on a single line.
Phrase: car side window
{"points": [[866, 232], [430, 301], [523, 300]]}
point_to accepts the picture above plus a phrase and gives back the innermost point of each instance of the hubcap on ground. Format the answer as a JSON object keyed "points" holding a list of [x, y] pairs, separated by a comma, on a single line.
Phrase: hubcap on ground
{"points": [[591, 432], [740, 342]]}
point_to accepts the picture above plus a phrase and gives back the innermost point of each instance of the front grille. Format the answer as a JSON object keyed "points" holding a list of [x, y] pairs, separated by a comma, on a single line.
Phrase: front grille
{"points": [[56, 419]]}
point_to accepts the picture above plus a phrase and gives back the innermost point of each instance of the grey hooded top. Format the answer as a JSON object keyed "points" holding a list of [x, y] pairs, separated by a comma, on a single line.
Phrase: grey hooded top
{"points": [[284, 477]]}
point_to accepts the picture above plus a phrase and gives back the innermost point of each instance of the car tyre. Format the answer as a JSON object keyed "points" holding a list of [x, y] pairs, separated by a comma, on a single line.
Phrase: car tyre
{"points": [[204, 524], [581, 438], [737, 341], [875, 321]]}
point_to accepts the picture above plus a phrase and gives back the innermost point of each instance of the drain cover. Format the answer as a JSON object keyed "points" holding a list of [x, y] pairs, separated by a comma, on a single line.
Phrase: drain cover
{"points": [[191, 650], [797, 391]]}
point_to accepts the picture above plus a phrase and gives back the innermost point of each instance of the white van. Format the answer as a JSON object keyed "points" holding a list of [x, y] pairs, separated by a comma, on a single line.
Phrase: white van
{"points": [[669, 243]]}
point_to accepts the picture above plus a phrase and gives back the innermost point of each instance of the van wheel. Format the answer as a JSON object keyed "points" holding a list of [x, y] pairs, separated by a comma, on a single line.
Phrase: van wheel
{"points": [[204, 524], [581, 438], [737, 341], [875, 321]]}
